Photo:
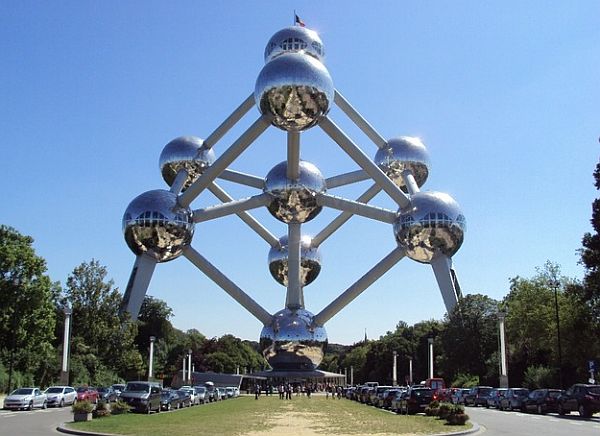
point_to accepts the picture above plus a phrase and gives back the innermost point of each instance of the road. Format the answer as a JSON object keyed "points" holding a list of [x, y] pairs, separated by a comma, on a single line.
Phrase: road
{"points": [[36, 422], [496, 423]]}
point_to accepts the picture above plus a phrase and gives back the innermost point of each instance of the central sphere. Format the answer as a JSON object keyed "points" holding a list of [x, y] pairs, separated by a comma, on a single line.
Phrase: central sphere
{"points": [[294, 201], [433, 224], [296, 90], [401, 154], [310, 261], [185, 153], [291, 342], [155, 225]]}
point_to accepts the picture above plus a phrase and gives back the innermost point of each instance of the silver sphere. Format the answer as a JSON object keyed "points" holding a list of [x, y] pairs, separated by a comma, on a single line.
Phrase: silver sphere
{"points": [[291, 342], [185, 152], [433, 224], [155, 225], [296, 90], [294, 201], [310, 261], [404, 153], [295, 39]]}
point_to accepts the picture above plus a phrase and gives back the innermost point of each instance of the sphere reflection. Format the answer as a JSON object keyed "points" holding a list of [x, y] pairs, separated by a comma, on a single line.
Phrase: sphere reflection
{"points": [[404, 153], [291, 342], [295, 39], [155, 225], [432, 225], [294, 201], [310, 261], [185, 152]]}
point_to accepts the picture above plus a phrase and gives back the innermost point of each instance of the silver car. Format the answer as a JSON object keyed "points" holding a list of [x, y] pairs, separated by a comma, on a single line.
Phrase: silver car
{"points": [[26, 398], [60, 396]]}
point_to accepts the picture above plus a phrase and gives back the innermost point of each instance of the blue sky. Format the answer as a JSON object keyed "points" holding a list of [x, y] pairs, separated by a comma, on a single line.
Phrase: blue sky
{"points": [[504, 94]]}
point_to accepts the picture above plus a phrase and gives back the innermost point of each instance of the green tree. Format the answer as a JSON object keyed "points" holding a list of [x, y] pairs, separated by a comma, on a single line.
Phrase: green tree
{"points": [[101, 342], [470, 340], [27, 315]]}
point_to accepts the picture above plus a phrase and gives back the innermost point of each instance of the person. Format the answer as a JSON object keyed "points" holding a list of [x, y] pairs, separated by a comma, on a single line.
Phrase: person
{"points": [[256, 391], [308, 389], [280, 390]]}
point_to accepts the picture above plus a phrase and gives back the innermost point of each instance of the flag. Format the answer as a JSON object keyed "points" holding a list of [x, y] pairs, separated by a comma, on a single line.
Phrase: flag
{"points": [[299, 22]]}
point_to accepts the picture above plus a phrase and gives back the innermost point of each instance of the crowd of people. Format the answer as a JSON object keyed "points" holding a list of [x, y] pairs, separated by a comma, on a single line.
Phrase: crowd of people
{"points": [[286, 390]]}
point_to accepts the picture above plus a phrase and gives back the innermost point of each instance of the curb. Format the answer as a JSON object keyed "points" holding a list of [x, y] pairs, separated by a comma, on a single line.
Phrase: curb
{"points": [[472, 430], [63, 429]]}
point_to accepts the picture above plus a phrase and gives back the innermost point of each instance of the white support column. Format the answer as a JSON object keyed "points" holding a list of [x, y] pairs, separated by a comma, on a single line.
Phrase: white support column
{"points": [[352, 375], [430, 345], [64, 376], [151, 359], [410, 371], [395, 370], [503, 363], [190, 366]]}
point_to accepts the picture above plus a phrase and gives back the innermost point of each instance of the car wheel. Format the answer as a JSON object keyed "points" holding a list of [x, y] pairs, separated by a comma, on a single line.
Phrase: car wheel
{"points": [[44, 405], [583, 412], [540, 411], [62, 403], [148, 410], [30, 407], [561, 410]]}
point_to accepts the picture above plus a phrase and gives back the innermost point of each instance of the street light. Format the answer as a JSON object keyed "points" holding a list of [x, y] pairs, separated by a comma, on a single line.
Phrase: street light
{"points": [[503, 366], [64, 373], [395, 369], [151, 358], [555, 284], [430, 342]]}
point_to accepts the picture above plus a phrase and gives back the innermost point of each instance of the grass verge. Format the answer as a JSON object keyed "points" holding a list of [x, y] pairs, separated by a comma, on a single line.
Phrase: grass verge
{"points": [[245, 415]]}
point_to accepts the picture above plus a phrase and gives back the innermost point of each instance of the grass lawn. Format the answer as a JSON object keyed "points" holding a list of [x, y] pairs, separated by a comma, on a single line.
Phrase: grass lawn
{"points": [[246, 415]]}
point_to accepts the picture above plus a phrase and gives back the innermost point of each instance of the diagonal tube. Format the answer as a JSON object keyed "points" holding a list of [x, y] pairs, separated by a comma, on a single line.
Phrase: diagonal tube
{"points": [[346, 179], [357, 208], [243, 179], [245, 216], [294, 297], [227, 285], [179, 181], [229, 122], [410, 182], [343, 217], [364, 162], [293, 155], [213, 171], [442, 268], [357, 119], [136, 289], [232, 207], [359, 286]]}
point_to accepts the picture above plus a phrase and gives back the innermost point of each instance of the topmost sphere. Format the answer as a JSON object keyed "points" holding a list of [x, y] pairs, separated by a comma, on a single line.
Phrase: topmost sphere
{"points": [[295, 39]]}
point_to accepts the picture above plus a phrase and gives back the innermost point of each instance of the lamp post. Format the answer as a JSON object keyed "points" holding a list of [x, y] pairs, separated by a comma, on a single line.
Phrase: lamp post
{"points": [[190, 366], [410, 371], [503, 366], [555, 284], [395, 370], [64, 373], [151, 358], [430, 342]]}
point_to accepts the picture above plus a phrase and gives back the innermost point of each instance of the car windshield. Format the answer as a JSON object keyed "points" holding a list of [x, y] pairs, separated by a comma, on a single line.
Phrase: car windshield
{"points": [[82, 389], [422, 393], [554, 394], [522, 393], [594, 390], [201, 389], [54, 390], [102, 389], [23, 391], [137, 387]]}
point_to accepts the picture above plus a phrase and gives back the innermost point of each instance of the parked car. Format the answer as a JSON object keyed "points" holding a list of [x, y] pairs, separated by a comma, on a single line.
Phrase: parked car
{"points": [[415, 400], [229, 391], [443, 395], [169, 400], [118, 388], [142, 396], [184, 397], [494, 397], [514, 398], [201, 394], [26, 398], [376, 395], [192, 393], [87, 393], [542, 401], [59, 396], [581, 397], [107, 394], [477, 396], [388, 396], [458, 396]]}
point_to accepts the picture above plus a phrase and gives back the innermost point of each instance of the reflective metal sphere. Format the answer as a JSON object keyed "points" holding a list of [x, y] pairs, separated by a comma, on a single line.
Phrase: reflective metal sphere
{"points": [[156, 225], [310, 261], [295, 39], [291, 342], [433, 224], [294, 201], [185, 152], [295, 89], [404, 153]]}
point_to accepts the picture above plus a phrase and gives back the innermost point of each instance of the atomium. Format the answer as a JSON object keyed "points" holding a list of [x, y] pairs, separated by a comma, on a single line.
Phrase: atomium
{"points": [[294, 92]]}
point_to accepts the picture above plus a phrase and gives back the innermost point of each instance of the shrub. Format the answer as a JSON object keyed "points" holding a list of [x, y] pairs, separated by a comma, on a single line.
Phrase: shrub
{"points": [[432, 409], [457, 415], [537, 377], [102, 410], [445, 410], [120, 407], [82, 407]]}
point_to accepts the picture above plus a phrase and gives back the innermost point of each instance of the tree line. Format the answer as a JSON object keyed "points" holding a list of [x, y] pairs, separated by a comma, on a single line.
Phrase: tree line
{"points": [[106, 349]]}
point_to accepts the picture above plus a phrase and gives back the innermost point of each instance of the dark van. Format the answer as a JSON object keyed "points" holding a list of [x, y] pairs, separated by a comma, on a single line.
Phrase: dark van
{"points": [[143, 396]]}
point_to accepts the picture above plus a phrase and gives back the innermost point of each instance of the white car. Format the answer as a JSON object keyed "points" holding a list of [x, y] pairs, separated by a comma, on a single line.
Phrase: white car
{"points": [[60, 396], [26, 398]]}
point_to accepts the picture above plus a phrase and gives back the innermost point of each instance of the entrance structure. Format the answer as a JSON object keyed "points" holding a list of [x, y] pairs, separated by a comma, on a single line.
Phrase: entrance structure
{"points": [[293, 92]]}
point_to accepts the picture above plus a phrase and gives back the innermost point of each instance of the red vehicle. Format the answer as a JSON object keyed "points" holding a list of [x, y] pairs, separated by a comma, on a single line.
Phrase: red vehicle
{"points": [[438, 386], [87, 393]]}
